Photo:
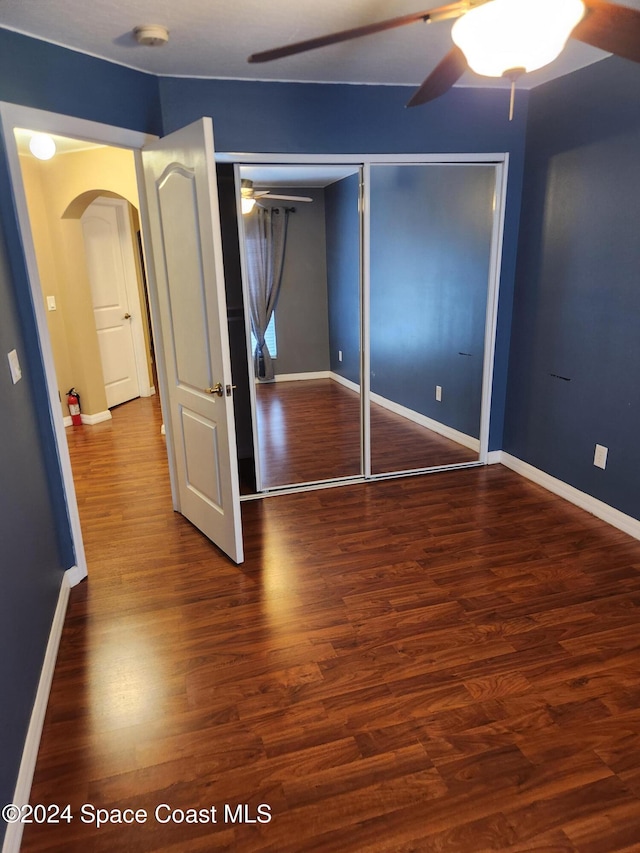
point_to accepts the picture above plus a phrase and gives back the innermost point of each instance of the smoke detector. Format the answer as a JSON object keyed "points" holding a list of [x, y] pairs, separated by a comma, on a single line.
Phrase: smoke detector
{"points": [[152, 35]]}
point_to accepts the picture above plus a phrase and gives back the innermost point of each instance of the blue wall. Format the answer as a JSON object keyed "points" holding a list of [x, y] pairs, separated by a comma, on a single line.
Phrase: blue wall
{"points": [[431, 234], [247, 116], [342, 218], [344, 119], [47, 77], [34, 525], [575, 359], [36, 544]]}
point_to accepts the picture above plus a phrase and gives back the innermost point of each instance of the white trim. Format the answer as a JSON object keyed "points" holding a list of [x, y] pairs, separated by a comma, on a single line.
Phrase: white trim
{"points": [[493, 293], [245, 158], [90, 420], [342, 380], [500, 160], [626, 523], [435, 426], [364, 201], [12, 116], [244, 275], [494, 457], [98, 418], [13, 835], [298, 377]]}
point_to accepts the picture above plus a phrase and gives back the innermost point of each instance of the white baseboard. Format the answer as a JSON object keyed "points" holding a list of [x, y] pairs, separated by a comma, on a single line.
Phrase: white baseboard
{"points": [[75, 574], [22, 792], [435, 426], [601, 510], [352, 386], [297, 377], [98, 418], [494, 457]]}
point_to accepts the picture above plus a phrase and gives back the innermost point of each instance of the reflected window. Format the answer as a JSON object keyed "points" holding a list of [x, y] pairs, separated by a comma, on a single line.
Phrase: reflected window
{"points": [[270, 338]]}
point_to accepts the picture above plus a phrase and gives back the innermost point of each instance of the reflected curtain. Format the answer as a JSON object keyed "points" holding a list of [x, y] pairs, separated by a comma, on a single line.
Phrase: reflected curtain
{"points": [[265, 238]]}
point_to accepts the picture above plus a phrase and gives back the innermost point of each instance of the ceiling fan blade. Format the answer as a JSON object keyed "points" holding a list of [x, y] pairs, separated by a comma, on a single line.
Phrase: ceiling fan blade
{"points": [[452, 10], [442, 78], [289, 197], [610, 27]]}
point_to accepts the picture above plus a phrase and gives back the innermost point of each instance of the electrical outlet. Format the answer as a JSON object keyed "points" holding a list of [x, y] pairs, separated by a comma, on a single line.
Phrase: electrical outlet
{"points": [[339, 355], [439, 393], [600, 456]]}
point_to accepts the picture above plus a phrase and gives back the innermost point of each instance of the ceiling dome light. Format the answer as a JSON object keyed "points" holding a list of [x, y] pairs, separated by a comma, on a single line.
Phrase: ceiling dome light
{"points": [[503, 35], [42, 146], [247, 205]]}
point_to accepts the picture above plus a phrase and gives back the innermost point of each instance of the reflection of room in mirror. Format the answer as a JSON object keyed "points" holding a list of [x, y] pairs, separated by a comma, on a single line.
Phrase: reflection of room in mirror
{"points": [[431, 242], [309, 431], [317, 309], [432, 229]]}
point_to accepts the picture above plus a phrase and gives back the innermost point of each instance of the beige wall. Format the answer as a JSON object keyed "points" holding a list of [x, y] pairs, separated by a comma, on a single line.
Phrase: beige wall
{"points": [[58, 192]]}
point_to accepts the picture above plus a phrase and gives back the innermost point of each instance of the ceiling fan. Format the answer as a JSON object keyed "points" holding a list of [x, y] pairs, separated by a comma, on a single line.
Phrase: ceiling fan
{"points": [[249, 196], [499, 38]]}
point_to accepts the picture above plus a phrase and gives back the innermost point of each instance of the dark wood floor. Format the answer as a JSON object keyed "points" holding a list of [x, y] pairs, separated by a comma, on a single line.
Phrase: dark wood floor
{"points": [[443, 663], [310, 430]]}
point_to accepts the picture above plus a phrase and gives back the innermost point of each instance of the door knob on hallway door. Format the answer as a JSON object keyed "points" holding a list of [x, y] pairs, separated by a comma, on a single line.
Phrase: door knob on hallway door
{"points": [[127, 316], [217, 389]]}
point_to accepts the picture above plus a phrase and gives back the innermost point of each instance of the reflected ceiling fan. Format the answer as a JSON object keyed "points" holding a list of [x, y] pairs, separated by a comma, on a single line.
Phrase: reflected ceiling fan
{"points": [[249, 196], [501, 38]]}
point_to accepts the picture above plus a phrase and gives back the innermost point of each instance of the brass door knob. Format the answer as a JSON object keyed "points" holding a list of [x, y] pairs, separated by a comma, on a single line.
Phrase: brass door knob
{"points": [[217, 389]]}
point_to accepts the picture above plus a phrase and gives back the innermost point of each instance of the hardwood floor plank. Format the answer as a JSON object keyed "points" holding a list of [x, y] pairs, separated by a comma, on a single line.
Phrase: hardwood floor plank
{"points": [[448, 662]]}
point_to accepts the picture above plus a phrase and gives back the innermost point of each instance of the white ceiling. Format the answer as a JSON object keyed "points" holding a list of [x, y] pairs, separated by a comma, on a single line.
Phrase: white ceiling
{"points": [[212, 38], [296, 176]]}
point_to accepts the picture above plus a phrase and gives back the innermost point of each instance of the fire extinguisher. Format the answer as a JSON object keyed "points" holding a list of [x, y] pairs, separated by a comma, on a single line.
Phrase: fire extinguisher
{"points": [[73, 401]]}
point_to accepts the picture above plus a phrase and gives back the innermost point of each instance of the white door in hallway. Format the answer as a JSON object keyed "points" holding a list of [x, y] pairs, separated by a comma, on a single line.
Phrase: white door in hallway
{"points": [[182, 200], [110, 265]]}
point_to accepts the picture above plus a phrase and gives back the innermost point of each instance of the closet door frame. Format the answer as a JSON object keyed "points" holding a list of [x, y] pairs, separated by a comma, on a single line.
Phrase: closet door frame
{"points": [[501, 162]]}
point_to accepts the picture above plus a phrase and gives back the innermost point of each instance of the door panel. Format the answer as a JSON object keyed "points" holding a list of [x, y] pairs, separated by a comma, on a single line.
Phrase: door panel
{"points": [[202, 457], [181, 193], [183, 255]]}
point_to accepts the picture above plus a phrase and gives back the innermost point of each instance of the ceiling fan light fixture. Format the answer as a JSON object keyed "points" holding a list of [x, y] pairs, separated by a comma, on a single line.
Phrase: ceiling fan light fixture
{"points": [[505, 34], [247, 205]]}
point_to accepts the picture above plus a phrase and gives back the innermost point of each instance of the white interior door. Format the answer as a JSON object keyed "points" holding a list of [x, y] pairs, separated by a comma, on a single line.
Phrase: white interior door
{"points": [[182, 199], [105, 230]]}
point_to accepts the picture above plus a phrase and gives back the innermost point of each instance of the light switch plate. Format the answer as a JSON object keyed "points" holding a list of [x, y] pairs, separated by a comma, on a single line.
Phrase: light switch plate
{"points": [[14, 366], [51, 303]]}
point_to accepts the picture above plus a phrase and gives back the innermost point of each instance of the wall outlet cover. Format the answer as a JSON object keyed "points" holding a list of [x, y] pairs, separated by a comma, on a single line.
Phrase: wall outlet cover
{"points": [[600, 456], [14, 366]]}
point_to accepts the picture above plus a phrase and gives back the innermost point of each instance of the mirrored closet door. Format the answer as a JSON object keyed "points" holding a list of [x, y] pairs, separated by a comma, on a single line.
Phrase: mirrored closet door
{"points": [[387, 267], [300, 230], [431, 236]]}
